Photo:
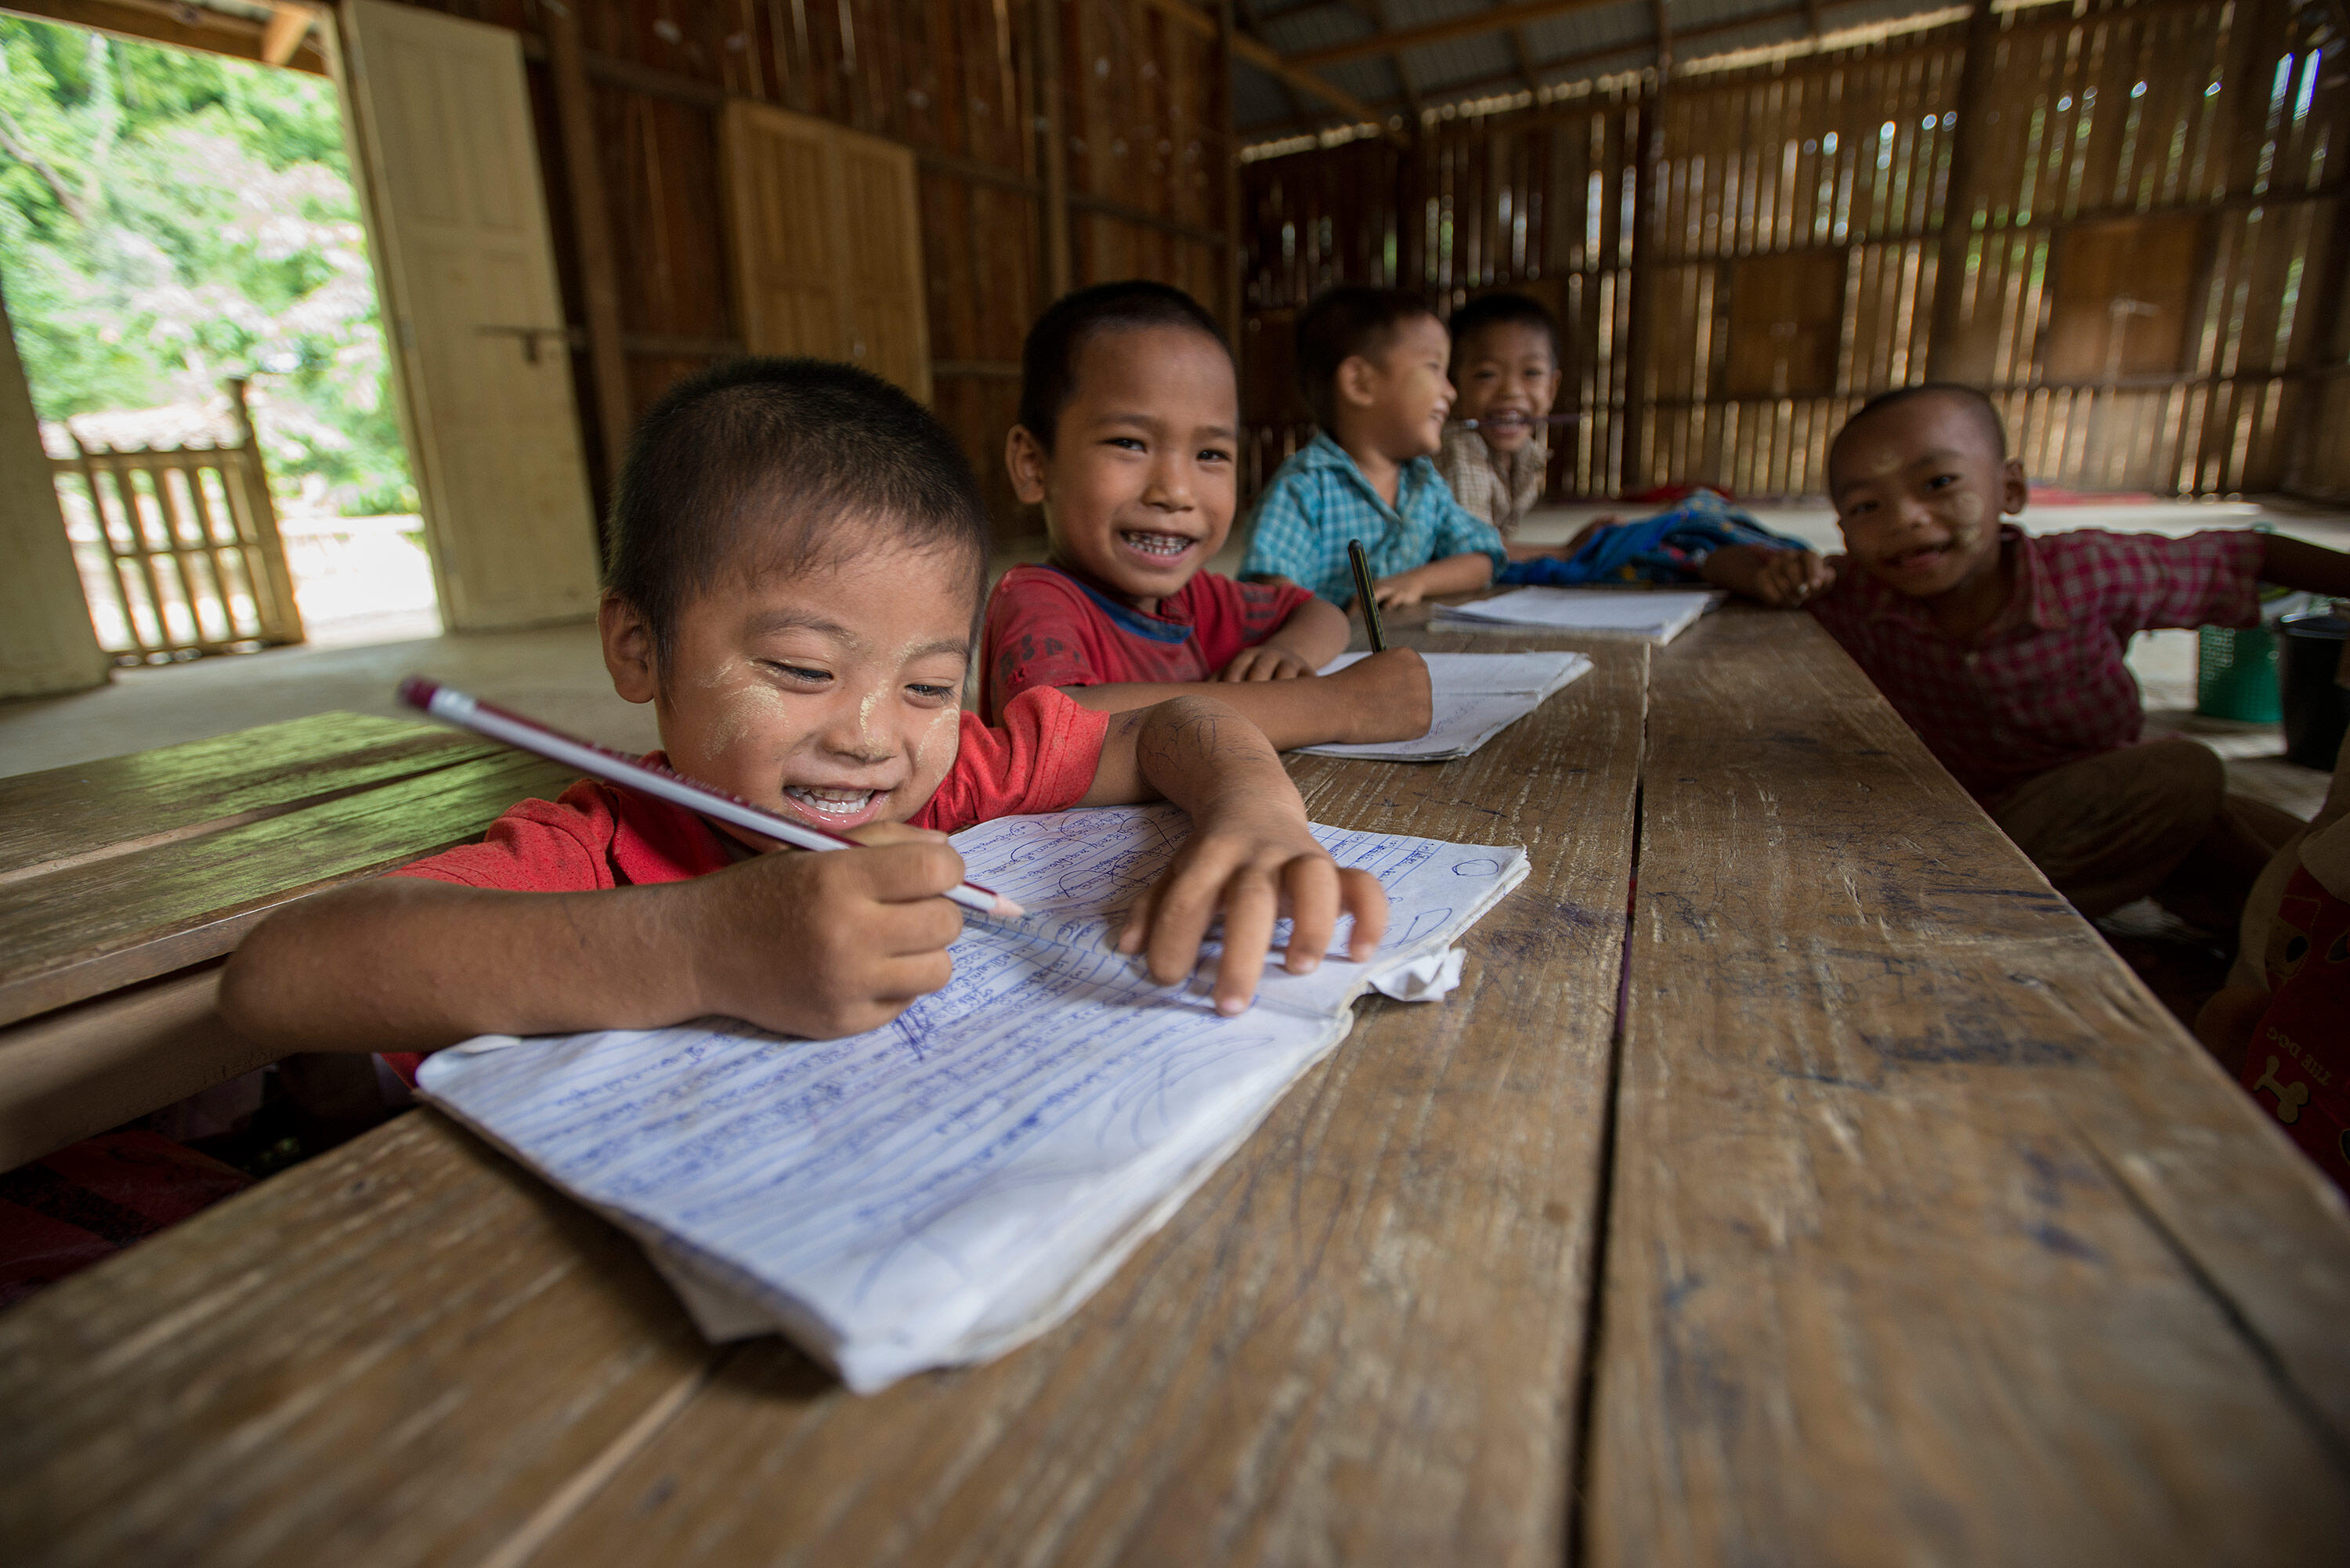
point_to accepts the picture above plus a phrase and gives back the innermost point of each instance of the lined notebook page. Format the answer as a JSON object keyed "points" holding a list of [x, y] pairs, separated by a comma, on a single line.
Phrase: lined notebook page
{"points": [[1474, 697], [1658, 616], [943, 1188]]}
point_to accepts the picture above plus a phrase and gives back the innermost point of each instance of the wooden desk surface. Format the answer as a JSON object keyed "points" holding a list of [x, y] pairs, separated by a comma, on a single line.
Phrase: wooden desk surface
{"points": [[1921, 1234], [1358, 1340], [1933, 1238], [114, 872]]}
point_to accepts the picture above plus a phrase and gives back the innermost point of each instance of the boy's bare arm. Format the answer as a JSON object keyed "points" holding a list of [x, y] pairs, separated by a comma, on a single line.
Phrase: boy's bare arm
{"points": [[1781, 578], [1461, 574], [2297, 564], [817, 945], [1315, 633], [1250, 855], [1382, 698]]}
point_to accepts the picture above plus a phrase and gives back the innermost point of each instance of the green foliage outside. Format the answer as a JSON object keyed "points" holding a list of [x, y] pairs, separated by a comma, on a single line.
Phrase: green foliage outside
{"points": [[170, 219]]}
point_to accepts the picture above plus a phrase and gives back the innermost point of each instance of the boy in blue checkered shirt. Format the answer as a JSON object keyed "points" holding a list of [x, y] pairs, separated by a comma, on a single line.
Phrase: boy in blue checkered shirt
{"points": [[1371, 361]]}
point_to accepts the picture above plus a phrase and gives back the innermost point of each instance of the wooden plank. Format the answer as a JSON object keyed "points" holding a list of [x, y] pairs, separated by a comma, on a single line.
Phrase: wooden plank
{"points": [[102, 923], [390, 1354], [1932, 1238], [1358, 1342], [51, 819], [591, 238], [183, 27], [77, 1072]]}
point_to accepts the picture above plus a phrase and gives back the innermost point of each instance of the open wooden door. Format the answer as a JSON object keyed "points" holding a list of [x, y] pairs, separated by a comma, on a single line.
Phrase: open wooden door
{"points": [[467, 271], [827, 246]]}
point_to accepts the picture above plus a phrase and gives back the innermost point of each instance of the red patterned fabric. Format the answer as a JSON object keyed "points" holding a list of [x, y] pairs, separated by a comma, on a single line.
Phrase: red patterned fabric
{"points": [[63, 1212], [2045, 683], [1046, 628]]}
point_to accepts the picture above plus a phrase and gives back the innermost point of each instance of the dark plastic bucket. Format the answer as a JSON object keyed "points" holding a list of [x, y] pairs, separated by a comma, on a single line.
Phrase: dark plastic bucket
{"points": [[2316, 711]]}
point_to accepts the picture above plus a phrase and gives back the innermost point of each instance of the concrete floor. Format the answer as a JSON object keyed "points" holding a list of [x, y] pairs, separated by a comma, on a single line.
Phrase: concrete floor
{"points": [[556, 673]]}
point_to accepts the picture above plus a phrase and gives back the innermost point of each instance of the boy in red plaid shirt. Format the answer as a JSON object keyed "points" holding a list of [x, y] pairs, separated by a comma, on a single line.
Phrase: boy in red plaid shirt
{"points": [[2004, 652]]}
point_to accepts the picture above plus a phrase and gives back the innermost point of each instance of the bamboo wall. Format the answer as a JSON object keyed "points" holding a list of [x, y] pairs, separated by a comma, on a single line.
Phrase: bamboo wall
{"points": [[989, 93], [2147, 273]]}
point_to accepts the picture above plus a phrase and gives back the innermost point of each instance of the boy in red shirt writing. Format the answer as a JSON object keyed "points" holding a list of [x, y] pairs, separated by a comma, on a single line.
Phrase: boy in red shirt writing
{"points": [[2005, 652], [1129, 438], [799, 554]]}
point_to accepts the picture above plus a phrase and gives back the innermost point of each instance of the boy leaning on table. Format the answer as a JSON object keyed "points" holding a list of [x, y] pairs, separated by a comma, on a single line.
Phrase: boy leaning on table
{"points": [[1371, 361], [2005, 652], [799, 553]]}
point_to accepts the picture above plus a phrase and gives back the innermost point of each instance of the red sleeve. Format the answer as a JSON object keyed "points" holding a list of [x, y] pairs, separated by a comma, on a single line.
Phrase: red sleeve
{"points": [[1228, 617], [1043, 759], [1040, 632], [536, 846], [2207, 579]]}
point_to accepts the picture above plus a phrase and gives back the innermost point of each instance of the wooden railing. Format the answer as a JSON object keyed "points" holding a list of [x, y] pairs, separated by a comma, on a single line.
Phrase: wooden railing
{"points": [[178, 546]]}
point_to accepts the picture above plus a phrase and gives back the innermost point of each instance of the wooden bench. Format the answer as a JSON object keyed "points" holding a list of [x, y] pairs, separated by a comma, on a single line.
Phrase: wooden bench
{"points": [[1899, 1224], [124, 883]]}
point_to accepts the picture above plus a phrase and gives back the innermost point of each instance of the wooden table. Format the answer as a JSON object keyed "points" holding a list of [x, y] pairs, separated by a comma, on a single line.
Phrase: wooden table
{"points": [[125, 882], [1898, 1224]]}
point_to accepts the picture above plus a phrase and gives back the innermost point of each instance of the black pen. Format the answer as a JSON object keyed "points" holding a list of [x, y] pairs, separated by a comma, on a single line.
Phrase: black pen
{"points": [[1362, 592]]}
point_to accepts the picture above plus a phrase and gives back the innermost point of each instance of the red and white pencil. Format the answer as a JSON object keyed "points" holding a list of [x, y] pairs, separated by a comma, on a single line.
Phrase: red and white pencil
{"points": [[453, 707]]}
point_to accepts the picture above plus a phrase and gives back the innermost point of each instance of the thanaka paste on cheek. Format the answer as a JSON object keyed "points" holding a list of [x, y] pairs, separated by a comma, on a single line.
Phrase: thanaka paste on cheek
{"points": [[742, 708]]}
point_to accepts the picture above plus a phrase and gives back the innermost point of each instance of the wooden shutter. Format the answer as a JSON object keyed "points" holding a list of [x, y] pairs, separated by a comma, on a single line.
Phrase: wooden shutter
{"points": [[1787, 323], [2119, 303], [826, 243], [468, 272]]}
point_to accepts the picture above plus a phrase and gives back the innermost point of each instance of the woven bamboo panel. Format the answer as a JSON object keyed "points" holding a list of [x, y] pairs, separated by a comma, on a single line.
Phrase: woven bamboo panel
{"points": [[2151, 217]]}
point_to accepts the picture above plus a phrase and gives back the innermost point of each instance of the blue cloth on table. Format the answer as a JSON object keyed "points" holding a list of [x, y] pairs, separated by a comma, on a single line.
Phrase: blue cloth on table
{"points": [[1669, 548]]}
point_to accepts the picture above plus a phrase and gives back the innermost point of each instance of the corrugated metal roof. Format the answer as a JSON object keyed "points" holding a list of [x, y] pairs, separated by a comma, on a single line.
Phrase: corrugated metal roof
{"points": [[1576, 46], [1439, 66], [1586, 32]]}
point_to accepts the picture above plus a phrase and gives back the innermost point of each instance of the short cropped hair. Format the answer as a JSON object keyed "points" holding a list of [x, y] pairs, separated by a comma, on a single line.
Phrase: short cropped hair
{"points": [[1977, 403], [781, 465], [1048, 360], [1503, 310], [1341, 323]]}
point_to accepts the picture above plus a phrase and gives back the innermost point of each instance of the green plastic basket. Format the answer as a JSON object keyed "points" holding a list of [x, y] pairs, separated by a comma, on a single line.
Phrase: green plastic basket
{"points": [[2236, 674]]}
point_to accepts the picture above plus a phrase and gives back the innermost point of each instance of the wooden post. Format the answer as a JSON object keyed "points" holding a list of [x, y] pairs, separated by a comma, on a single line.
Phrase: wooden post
{"points": [[1956, 220], [280, 613], [1235, 311], [47, 641], [1648, 151], [591, 224], [1055, 134]]}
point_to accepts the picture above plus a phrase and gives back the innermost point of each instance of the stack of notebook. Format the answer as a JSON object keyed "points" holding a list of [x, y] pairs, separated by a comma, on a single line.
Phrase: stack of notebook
{"points": [[939, 1190], [1476, 696], [1658, 616]]}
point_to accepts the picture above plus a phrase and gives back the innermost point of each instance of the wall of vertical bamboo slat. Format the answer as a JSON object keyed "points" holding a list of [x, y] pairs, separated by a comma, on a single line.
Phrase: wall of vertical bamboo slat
{"points": [[1059, 143], [2152, 249]]}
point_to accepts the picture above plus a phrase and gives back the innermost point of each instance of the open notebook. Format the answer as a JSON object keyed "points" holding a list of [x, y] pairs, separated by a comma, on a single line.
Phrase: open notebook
{"points": [[939, 1190], [1476, 696], [1659, 615]]}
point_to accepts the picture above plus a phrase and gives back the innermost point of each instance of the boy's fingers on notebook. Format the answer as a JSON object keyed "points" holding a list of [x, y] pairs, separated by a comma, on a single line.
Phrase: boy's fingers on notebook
{"points": [[1139, 919], [917, 926], [1251, 908], [874, 835], [896, 873], [1360, 895], [1312, 883]]}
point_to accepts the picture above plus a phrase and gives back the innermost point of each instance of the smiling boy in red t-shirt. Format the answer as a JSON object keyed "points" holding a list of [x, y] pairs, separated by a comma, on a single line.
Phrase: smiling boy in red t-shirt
{"points": [[1129, 438]]}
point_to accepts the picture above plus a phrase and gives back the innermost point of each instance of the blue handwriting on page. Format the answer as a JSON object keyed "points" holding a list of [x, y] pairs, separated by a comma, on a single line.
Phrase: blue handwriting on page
{"points": [[946, 1187]]}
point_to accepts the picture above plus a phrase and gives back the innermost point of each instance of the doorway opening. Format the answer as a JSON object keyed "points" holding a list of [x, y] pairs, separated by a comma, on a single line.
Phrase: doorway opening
{"points": [[186, 267]]}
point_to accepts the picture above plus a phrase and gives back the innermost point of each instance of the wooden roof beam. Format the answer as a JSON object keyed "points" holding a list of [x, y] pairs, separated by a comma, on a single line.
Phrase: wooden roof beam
{"points": [[1474, 24], [1185, 14]]}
